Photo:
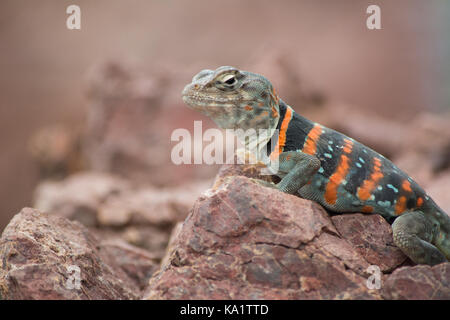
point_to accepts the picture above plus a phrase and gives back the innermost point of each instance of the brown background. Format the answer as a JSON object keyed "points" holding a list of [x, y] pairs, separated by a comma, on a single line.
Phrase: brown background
{"points": [[395, 71]]}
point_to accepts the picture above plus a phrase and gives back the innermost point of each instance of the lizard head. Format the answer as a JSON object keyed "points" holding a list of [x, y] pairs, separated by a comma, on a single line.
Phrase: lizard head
{"points": [[234, 99]]}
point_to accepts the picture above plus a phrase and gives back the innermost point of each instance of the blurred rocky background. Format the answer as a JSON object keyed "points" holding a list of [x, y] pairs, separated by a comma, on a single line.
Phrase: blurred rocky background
{"points": [[86, 119], [57, 84]]}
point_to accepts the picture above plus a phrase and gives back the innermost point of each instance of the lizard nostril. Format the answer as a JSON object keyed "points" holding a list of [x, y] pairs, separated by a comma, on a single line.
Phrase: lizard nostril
{"points": [[196, 86]]}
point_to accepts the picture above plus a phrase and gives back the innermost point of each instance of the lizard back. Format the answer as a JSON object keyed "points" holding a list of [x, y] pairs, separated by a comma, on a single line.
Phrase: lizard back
{"points": [[352, 177]]}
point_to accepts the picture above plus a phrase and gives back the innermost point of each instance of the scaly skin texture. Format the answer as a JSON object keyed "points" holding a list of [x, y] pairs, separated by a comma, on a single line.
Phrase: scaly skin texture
{"points": [[323, 165]]}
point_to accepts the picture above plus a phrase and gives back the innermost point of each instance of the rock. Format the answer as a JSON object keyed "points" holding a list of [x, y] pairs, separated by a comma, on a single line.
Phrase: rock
{"points": [[245, 241], [422, 141], [150, 238], [438, 189], [386, 136], [441, 158], [79, 196], [114, 209], [419, 283], [105, 200], [56, 151], [172, 240], [115, 80], [150, 206], [240, 241], [417, 165], [371, 236], [138, 264], [246, 170], [285, 74], [118, 137], [431, 133], [169, 249], [129, 127], [37, 251]]}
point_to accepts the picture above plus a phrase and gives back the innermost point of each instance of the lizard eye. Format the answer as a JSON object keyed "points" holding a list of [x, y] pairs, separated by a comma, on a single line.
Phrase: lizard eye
{"points": [[229, 79]]}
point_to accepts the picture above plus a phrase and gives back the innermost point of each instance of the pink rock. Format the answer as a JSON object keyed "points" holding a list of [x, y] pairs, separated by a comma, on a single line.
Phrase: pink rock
{"points": [[114, 209], [419, 283], [130, 123], [37, 251], [371, 236], [79, 196], [245, 241], [439, 188]]}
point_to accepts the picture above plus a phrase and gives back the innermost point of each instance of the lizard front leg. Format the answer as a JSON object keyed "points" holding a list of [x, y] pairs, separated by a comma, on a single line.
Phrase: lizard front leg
{"points": [[414, 233], [299, 168], [295, 168]]}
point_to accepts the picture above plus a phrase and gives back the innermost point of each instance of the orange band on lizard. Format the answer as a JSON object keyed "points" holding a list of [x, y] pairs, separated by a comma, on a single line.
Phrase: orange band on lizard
{"points": [[400, 206], [282, 135], [365, 191], [406, 186], [339, 174], [419, 202], [310, 146]]}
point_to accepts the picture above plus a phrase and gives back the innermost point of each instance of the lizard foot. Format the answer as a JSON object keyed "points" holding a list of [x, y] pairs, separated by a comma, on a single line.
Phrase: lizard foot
{"points": [[413, 234]]}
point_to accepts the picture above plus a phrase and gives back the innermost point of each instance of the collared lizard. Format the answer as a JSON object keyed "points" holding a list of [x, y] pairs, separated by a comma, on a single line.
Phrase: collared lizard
{"points": [[323, 165]]}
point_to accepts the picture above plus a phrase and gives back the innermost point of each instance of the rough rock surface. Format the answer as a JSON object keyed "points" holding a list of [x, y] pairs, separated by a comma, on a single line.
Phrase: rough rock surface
{"points": [[371, 237], [287, 77], [419, 283], [79, 196], [138, 264], [244, 242], [112, 208], [37, 251], [56, 151], [240, 241]]}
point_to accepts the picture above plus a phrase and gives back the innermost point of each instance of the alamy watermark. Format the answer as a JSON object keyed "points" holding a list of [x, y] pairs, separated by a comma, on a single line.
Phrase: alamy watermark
{"points": [[73, 22], [373, 22], [74, 277], [374, 281]]}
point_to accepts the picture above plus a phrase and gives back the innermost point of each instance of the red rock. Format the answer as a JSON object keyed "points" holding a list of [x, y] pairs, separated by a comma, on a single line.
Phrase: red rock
{"points": [[150, 206], [173, 236], [37, 249], [124, 132], [246, 170], [244, 241], [150, 238], [138, 264], [371, 236], [113, 209], [286, 76], [56, 151], [417, 165], [438, 189], [240, 241], [79, 196], [419, 283]]}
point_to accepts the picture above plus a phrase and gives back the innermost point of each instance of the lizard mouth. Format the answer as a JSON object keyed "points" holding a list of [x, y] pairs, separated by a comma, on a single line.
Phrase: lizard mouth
{"points": [[196, 101]]}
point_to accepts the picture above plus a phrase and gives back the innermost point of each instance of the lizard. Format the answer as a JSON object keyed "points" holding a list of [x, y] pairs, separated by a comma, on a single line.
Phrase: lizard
{"points": [[324, 165]]}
